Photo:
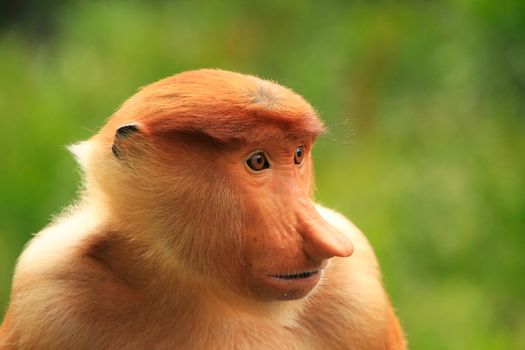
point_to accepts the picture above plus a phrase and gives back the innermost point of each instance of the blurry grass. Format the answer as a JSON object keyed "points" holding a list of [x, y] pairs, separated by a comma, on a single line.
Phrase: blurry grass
{"points": [[425, 102]]}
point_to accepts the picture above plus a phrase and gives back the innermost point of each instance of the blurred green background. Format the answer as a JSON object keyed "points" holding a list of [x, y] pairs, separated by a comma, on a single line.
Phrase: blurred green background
{"points": [[425, 101]]}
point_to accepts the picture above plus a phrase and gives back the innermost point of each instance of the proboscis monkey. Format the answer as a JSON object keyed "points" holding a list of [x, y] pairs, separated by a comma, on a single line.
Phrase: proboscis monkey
{"points": [[196, 229]]}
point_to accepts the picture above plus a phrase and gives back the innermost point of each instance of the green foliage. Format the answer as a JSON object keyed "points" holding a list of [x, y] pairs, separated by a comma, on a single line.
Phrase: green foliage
{"points": [[425, 102]]}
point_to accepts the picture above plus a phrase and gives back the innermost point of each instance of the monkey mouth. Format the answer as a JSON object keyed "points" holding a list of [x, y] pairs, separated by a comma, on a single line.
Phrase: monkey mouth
{"points": [[295, 285], [296, 276]]}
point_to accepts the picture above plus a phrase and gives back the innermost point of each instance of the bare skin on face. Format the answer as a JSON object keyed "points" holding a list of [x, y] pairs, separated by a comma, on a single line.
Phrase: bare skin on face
{"points": [[290, 242], [197, 229]]}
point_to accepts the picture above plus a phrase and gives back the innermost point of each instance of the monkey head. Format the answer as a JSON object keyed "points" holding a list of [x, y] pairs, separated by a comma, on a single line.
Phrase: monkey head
{"points": [[212, 170]]}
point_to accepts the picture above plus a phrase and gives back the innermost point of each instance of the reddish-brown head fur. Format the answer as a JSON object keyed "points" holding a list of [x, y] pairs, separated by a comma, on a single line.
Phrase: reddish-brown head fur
{"points": [[224, 105]]}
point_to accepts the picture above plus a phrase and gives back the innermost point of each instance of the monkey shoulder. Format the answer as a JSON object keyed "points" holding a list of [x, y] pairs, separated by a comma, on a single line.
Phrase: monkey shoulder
{"points": [[60, 290], [350, 297], [363, 261]]}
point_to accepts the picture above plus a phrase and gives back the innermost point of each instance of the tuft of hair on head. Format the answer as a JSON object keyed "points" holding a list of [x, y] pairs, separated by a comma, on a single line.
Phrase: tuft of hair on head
{"points": [[81, 152]]}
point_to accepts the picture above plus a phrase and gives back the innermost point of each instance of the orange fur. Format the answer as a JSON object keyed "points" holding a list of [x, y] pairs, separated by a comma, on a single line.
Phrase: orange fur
{"points": [[394, 338], [176, 244]]}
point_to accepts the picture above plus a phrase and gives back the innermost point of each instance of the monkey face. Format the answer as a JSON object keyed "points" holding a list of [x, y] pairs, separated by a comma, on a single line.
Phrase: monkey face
{"points": [[286, 243], [244, 215]]}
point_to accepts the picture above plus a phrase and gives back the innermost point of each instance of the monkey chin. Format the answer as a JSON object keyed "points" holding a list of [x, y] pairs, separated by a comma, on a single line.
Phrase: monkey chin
{"points": [[291, 286]]}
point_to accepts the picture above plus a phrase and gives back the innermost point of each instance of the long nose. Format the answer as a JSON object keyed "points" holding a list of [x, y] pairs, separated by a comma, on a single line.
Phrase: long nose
{"points": [[321, 240]]}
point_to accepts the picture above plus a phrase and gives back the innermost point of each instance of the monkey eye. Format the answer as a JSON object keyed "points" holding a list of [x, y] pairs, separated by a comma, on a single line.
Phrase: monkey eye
{"points": [[299, 155], [258, 162]]}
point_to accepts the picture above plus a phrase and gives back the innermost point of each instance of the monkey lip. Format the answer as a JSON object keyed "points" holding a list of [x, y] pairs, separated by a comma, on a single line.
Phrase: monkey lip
{"points": [[296, 276], [294, 285]]}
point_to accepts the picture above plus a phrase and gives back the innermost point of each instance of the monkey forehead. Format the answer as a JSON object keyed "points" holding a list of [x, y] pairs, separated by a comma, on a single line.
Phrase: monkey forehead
{"points": [[224, 105]]}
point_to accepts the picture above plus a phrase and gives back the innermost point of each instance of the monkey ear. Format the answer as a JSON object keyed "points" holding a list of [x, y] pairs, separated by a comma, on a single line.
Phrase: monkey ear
{"points": [[123, 136]]}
